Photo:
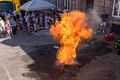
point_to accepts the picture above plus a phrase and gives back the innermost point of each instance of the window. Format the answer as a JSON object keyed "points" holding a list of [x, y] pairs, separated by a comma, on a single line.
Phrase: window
{"points": [[90, 4], [66, 4], [116, 9], [73, 4], [6, 6]]}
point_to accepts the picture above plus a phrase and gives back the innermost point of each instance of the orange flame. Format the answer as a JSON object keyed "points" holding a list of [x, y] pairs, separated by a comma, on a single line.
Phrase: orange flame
{"points": [[70, 31]]}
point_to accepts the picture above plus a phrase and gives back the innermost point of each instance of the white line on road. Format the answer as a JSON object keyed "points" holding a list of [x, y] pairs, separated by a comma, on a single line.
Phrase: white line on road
{"points": [[7, 72]]}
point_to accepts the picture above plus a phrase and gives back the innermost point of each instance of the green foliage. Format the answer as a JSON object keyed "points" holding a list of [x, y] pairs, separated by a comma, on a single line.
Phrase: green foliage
{"points": [[117, 45], [23, 1]]}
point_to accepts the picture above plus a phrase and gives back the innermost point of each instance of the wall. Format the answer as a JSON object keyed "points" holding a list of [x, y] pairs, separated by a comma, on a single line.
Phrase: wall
{"points": [[103, 6], [99, 5]]}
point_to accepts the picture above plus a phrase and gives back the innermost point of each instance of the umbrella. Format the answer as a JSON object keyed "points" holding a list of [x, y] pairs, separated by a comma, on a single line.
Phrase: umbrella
{"points": [[36, 5]]}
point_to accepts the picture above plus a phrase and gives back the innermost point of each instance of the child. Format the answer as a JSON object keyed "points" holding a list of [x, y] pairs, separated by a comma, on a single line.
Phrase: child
{"points": [[7, 29]]}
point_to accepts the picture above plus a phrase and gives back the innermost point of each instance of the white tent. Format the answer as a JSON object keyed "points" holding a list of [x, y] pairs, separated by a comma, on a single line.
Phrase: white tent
{"points": [[36, 5]]}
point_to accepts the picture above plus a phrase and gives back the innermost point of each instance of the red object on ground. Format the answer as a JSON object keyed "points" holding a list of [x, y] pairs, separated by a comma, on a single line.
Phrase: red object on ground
{"points": [[106, 38], [109, 37]]}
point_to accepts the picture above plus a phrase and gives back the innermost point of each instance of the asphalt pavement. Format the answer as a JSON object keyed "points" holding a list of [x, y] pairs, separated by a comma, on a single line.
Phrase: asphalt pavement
{"points": [[14, 56]]}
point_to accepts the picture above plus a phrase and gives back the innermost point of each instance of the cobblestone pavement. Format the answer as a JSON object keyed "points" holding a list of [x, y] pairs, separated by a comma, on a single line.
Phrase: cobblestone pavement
{"points": [[14, 56]]}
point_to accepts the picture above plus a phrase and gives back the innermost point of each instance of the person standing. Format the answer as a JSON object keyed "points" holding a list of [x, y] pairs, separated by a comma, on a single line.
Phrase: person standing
{"points": [[46, 22], [7, 26], [104, 17], [14, 26], [2, 25], [27, 20], [14, 13], [8, 21], [41, 22]]}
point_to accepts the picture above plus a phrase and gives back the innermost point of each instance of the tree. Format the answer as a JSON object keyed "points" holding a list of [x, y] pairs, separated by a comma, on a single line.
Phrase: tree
{"points": [[23, 1]]}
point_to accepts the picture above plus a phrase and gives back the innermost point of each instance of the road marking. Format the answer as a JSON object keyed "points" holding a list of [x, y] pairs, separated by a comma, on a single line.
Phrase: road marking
{"points": [[7, 72]]}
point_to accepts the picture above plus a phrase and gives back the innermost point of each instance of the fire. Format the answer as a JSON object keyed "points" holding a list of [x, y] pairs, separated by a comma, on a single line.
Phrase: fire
{"points": [[70, 31]]}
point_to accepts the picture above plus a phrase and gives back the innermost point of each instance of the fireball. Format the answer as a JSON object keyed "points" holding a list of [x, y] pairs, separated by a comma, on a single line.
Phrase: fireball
{"points": [[70, 31]]}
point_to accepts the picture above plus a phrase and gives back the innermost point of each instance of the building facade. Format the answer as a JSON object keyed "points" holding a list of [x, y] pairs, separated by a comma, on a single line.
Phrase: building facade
{"points": [[111, 7], [84, 5], [70, 4]]}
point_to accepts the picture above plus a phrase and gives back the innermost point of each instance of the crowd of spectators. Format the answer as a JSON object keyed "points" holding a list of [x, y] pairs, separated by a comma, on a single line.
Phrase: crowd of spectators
{"points": [[8, 23], [12, 23], [34, 21]]}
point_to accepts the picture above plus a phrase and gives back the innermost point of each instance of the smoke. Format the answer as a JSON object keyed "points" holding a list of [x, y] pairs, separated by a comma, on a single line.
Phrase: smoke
{"points": [[93, 19]]}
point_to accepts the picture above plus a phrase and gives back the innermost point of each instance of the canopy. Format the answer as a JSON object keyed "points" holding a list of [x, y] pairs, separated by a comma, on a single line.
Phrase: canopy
{"points": [[36, 5]]}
